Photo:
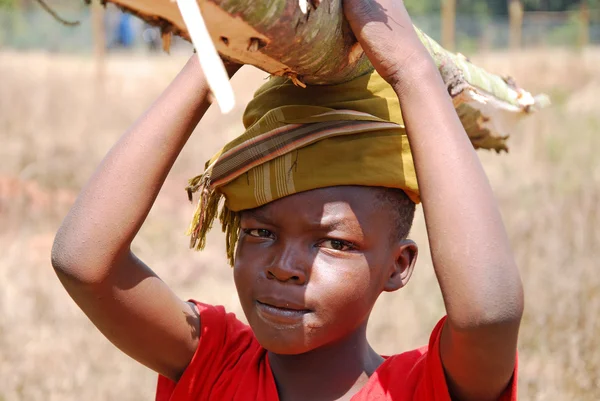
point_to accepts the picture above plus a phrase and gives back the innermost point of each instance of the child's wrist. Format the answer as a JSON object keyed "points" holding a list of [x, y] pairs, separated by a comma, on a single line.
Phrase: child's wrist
{"points": [[230, 66], [417, 70]]}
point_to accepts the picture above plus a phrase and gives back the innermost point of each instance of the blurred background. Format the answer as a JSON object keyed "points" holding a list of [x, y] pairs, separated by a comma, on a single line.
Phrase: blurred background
{"points": [[67, 93]]}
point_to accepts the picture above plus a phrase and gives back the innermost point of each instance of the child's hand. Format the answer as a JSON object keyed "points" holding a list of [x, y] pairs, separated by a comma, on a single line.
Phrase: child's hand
{"points": [[385, 31]]}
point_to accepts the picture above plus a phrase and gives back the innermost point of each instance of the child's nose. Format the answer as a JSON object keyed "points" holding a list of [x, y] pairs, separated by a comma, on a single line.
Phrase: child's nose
{"points": [[288, 267]]}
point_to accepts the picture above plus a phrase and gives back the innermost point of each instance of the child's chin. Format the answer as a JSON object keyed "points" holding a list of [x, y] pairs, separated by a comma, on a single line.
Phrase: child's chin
{"points": [[286, 349], [283, 342]]}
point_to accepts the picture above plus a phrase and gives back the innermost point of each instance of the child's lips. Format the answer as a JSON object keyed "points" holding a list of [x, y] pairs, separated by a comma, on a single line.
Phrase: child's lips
{"points": [[282, 304], [282, 312]]}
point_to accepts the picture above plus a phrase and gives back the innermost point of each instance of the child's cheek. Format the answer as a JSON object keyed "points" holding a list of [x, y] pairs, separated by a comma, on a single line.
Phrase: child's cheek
{"points": [[343, 287]]}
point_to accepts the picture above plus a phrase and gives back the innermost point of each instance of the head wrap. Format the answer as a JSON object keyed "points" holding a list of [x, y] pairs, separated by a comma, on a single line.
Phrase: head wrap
{"points": [[298, 139]]}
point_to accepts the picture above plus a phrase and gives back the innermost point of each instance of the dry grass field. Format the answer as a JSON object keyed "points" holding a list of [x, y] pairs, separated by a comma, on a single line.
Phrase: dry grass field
{"points": [[56, 124]]}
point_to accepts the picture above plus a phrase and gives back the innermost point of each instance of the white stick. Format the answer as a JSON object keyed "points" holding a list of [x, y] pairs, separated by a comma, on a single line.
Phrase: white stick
{"points": [[303, 6], [211, 63]]}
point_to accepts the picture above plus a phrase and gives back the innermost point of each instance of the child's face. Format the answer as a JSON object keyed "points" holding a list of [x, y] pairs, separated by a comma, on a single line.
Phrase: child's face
{"points": [[309, 267]]}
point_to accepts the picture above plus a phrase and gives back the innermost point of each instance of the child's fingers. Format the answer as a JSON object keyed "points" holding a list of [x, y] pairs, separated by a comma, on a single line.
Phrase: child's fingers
{"points": [[385, 32]]}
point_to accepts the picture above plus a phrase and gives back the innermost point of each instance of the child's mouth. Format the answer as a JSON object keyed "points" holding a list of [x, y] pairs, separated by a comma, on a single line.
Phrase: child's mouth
{"points": [[281, 314]]}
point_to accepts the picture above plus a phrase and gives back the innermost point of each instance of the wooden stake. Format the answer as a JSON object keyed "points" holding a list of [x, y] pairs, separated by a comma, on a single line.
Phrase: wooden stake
{"points": [[99, 38], [449, 24], [515, 11], [584, 24]]}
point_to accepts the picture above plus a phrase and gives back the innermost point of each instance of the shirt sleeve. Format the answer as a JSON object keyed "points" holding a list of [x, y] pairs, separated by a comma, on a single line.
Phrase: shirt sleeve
{"points": [[432, 378], [223, 338]]}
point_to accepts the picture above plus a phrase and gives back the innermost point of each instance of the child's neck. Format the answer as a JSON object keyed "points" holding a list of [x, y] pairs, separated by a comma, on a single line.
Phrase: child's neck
{"points": [[333, 372]]}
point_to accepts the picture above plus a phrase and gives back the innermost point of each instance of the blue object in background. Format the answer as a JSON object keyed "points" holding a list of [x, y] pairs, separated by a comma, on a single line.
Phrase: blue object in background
{"points": [[125, 34]]}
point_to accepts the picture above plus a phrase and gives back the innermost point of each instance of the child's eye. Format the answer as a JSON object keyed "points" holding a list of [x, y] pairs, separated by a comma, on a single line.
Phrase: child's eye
{"points": [[337, 245], [259, 233]]}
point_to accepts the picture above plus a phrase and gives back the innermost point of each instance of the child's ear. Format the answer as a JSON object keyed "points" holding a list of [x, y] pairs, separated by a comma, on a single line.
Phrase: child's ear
{"points": [[405, 257]]}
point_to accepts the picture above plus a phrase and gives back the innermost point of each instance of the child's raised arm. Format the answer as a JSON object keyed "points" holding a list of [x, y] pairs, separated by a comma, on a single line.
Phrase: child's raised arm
{"points": [[472, 258], [128, 303]]}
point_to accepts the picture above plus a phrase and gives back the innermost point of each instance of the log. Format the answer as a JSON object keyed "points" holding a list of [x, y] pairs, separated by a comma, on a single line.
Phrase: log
{"points": [[274, 35], [316, 46]]}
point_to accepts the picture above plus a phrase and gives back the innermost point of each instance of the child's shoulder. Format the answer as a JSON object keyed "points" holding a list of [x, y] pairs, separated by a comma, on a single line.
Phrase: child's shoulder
{"points": [[415, 374], [227, 360], [216, 321], [421, 361]]}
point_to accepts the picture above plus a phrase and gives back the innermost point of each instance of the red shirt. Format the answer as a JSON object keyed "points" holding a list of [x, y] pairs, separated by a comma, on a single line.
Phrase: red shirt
{"points": [[230, 364]]}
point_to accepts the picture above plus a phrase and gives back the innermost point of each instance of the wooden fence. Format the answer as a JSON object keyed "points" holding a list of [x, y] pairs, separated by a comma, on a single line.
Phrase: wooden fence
{"points": [[584, 16]]}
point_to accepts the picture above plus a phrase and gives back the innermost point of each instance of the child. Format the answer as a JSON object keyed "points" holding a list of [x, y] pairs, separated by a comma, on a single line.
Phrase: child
{"points": [[319, 198]]}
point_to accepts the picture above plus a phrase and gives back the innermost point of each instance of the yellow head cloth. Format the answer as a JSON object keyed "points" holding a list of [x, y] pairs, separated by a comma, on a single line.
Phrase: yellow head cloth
{"points": [[298, 139]]}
